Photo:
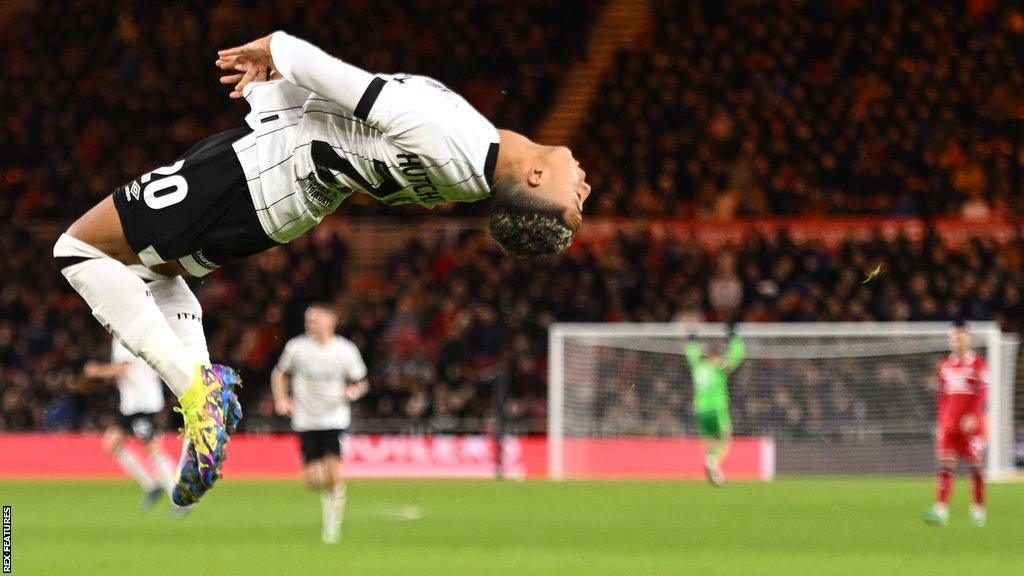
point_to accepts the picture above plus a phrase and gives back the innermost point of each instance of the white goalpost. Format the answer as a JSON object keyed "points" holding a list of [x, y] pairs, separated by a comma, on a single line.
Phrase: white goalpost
{"points": [[810, 398]]}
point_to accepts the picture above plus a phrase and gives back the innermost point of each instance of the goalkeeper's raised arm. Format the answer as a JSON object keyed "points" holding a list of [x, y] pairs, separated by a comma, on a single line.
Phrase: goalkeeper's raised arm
{"points": [[737, 353]]}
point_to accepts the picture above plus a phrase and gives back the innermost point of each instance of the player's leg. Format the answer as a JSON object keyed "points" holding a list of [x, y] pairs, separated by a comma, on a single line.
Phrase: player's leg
{"points": [[115, 440], [709, 430], [162, 463], [725, 436], [938, 514], [180, 308], [158, 220], [313, 476], [184, 314], [713, 463], [143, 427], [121, 301], [332, 498], [92, 255], [309, 447], [333, 494], [976, 457]]}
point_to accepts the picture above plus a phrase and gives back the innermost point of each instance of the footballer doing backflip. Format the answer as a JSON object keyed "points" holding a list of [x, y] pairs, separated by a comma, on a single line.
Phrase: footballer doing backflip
{"points": [[319, 131], [324, 372], [963, 388]]}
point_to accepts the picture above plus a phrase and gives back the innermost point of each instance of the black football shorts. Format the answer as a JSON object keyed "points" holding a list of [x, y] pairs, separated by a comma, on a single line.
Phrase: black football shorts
{"points": [[197, 210], [316, 444], [142, 425]]}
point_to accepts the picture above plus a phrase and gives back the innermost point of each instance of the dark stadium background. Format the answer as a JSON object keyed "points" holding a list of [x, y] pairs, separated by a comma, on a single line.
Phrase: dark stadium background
{"points": [[822, 116]]}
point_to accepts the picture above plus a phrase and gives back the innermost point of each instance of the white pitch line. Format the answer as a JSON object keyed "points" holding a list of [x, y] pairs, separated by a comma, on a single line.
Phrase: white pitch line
{"points": [[394, 513]]}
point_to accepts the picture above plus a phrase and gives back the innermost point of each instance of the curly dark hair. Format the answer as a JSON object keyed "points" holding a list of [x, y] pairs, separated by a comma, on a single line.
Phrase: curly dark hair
{"points": [[525, 224]]}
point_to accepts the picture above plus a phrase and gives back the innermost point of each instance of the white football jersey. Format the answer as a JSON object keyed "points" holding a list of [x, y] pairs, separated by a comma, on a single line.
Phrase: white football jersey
{"points": [[319, 374], [329, 129], [141, 388]]}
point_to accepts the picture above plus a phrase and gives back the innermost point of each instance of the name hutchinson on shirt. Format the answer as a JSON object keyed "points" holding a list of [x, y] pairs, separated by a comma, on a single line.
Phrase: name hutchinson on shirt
{"points": [[416, 174]]}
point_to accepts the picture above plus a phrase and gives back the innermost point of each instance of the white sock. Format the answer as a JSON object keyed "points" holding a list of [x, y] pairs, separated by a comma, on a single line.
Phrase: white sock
{"points": [[121, 302], [332, 502], [164, 469], [130, 464], [182, 311]]}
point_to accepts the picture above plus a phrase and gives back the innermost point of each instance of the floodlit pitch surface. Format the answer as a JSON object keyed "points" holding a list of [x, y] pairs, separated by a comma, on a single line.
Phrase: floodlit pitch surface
{"points": [[790, 527]]}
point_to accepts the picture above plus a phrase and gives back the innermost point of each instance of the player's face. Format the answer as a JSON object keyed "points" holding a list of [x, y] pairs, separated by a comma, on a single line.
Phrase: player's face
{"points": [[959, 341], [319, 322], [567, 185]]}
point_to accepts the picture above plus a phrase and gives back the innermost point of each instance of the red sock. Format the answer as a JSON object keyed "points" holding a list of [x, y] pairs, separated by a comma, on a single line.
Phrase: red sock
{"points": [[945, 485], [979, 488]]}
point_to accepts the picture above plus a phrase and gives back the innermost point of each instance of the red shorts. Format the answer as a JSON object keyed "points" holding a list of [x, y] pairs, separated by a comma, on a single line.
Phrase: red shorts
{"points": [[953, 443]]}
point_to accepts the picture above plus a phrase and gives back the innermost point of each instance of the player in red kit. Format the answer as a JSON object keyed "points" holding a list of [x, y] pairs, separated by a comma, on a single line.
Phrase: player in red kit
{"points": [[963, 388]]}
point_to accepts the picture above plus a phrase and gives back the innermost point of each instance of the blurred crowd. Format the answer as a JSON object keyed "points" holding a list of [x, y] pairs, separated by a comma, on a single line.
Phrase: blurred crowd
{"points": [[449, 321], [98, 92], [809, 107]]}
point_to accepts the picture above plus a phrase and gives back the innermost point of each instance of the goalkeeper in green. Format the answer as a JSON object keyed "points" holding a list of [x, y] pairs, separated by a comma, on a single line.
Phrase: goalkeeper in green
{"points": [[711, 400]]}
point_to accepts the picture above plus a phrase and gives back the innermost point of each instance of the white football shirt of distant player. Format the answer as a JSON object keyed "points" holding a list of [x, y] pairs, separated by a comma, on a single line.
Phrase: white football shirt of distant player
{"points": [[319, 374], [330, 129], [141, 388]]}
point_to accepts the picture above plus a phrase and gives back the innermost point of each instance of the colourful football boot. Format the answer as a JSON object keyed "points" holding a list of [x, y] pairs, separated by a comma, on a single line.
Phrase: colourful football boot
{"points": [[212, 412]]}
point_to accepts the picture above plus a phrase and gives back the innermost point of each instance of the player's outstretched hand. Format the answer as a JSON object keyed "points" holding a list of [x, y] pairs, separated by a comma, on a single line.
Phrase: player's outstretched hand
{"points": [[247, 63]]}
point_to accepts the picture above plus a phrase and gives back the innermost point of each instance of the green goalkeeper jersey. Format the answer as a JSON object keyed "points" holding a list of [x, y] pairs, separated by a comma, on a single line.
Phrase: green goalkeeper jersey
{"points": [[710, 387]]}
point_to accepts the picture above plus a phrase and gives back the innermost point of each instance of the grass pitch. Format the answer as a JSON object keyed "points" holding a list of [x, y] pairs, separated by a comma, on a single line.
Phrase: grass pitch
{"points": [[790, 528]]}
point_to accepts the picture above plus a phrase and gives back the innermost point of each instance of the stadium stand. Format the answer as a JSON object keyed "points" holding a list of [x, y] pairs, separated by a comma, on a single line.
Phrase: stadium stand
{"points": [[135, 85], [748, 108]]}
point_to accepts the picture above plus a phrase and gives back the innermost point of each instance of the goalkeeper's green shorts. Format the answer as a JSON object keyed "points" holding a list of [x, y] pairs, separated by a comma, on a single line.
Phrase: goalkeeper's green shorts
{"points": [[714, 424]]}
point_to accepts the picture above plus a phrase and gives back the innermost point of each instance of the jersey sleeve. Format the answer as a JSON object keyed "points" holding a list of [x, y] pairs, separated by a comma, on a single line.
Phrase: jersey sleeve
{"points": [[309, 67], [286, 363], [737, 352], [420, 115], [357, 368]]}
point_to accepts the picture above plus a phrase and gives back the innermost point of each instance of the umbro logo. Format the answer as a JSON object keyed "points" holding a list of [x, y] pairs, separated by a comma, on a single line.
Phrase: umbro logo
{"points": [[131, 192]]}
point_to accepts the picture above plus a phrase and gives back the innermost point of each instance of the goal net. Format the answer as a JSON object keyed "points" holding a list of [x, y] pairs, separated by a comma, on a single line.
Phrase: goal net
{"points": [[816, 398]]}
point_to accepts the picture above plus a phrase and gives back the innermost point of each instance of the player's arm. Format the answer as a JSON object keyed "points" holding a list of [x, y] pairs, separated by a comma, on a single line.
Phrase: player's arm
{"points": [[358, 385], [279, 382], [299, 62], [737, 353], [357, 390], [981, 398], [692, 351], [413, 114], [106, 370], [976, 413]]}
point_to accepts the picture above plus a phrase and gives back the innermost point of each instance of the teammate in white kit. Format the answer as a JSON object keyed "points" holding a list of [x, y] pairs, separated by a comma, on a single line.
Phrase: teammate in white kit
{"points": [[319, 131], [326, 373], [141, 399]]}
